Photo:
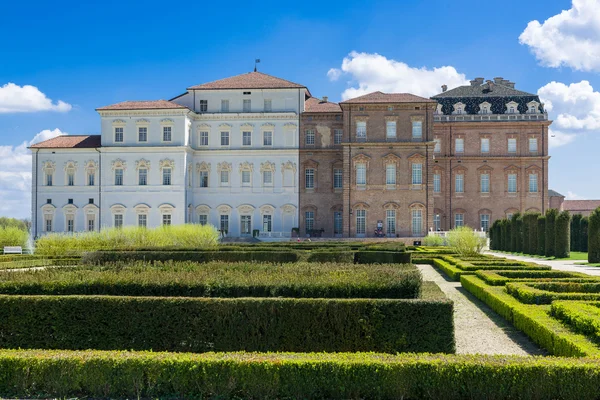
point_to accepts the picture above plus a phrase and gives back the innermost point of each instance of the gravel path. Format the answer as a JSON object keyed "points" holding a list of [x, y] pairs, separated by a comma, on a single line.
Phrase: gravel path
{"points": [[561, 265], [478, 329]]}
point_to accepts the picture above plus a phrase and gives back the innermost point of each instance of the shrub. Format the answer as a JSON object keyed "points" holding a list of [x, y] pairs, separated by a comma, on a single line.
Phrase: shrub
{"points": [[515, 235], [583, 317], [584, 234], [332, 256], [576, 234], [517, 232], [526, 232], [215, 324], [499, 278], [541, 231], [545, 293], [433, 240], [465, 242], [551, 215], [533, 232], [594, 236], [562, 236], [13, 236], [103, 257], [382, 257], [505, 235]]}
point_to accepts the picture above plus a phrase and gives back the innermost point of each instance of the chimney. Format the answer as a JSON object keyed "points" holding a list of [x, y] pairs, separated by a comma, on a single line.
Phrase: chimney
{"points": [[477, 82], [444, 88], [498, 79], [490, 85], [325, 99]]}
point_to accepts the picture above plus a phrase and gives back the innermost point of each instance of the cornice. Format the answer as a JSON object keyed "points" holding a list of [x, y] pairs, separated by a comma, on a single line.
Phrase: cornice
{"points": [[143, 113]]}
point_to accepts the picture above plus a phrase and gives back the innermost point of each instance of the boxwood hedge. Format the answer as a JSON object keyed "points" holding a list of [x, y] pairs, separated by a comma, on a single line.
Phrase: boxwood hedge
{"points": [[103, 257]]}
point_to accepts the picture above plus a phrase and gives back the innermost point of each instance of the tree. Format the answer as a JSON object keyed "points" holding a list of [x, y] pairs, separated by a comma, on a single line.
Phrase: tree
{"points": [[594, 236], [518, 233], [576, 235], [504, 235], [533, 233], [584, 234], [508, 240], [466, 242], [541, 239], [562, 240], [526, 232], [551, 215], [515, 233]]}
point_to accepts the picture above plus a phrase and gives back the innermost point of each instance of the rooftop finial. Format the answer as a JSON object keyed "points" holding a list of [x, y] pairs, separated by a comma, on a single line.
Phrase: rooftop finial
{"points": [[256, 62]]}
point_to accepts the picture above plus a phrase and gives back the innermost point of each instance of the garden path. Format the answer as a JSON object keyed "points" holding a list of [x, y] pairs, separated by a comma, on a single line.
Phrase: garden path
{"points": [[561, 265], [478, 329]]}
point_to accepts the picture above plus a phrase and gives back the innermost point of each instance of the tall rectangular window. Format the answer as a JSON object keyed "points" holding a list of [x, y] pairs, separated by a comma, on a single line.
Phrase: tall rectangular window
{"points": [[417, 130], [485, 183], [438, 145], [48, 223], [484, 222], [309, 181], [459, 220], [203, 139], [512, 145], [390, 129], [437, 222], [142, 220], [246, 224], [417, 222], [267, 225], [390, 222], [224, 138], [246, 138], [91, 223], [247, 105], [417, 174], [459, 145], [224, 178], [361, 174], [267, 138], [337, 136], [202, 219], [459, 186], [533, 145], [268, 178], [485, 145], [166, 219], [143, 177], [142, 134], [119, 177], [224, 106], [512, 183], [167, 134], [91, 178], [390, 174], [361, 222], [245, 178], [268, 107], [71, 178], [310, 137], [338, 227], [224, 223], [70, 223], [337, 178], [203, 105], [203, 179], [119, 135], [533, 183], [437, 183], [49, 179], [118, 220], [361, 129], [309, 220], [166, 176]]}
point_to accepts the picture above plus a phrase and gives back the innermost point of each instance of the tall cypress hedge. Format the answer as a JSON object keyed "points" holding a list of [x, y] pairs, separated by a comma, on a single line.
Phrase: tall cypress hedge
{"points": [[494, 235], [515, 232], [508, 240], [533, 233], [576, 233], [551, 215], [562, 240], [526, 232], [594, 236], [541, 238], [518, 233], [584, 234], [504, 235]]}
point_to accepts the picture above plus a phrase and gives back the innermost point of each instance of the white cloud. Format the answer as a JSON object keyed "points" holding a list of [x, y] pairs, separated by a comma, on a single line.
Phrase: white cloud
{"points": [[27, 98], [15, 176], [370, 72], [574, 196], [557, 138], [571, 38]]}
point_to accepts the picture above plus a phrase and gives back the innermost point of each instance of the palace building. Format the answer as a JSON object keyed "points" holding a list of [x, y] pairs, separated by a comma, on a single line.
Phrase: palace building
{"points": [[255, 154]]}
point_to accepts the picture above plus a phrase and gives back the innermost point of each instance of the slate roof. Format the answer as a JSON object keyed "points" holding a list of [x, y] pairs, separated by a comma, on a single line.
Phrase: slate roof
{"points": [[313, 104], [70, 142], [143, 105], [498, 90], [580, 205], [554, 193], [380, 97], [250, 80]]}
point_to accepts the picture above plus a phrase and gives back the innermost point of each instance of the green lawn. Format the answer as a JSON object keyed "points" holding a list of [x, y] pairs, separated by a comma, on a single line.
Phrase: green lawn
{"points": [[575, 256]]}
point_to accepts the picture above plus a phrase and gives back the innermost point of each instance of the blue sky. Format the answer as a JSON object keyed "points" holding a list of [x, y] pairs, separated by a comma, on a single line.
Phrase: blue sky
{"points": [[89, 54]]}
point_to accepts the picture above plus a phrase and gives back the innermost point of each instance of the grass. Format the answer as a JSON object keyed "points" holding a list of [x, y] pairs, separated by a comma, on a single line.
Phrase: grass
{"points": [[575, 256]]}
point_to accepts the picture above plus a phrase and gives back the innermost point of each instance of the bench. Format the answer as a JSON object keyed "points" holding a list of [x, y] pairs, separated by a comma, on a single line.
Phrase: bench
{"points": [[13, 250]]}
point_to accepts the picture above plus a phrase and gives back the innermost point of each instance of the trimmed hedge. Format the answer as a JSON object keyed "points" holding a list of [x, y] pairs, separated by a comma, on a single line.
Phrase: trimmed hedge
{"points": [[331, 256], [562, 240], [583, 317], [594, 236], [545, 293], [541, 238], [103, 257], [551, 215], [98, 374], [211, 324], [499, 278], [382, 257], [450, 270], [39, 262]]}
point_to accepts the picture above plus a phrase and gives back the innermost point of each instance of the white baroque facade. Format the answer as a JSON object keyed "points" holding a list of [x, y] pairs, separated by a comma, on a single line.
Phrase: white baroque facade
{"points": [[223, 153]]}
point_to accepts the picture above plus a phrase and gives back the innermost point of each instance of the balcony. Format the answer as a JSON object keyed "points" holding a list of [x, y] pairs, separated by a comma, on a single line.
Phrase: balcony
{"points": [[489, 117]]}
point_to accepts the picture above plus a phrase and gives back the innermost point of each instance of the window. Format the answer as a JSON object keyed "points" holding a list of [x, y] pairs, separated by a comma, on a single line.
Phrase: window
{"points": [[224, 178], [485, 145], [48, 201], [49, 179], [485, 183], [118, 220], [509, 215], [511, 109], [91, 223], [70, 223], [437, 222], [91, 178], [246, 138], [166, 176], [361, 174], [203, 139], [417, 222], [512, 183], [245, 178], [267, 224], [142, 220], [533, 145], [203, 105], [119, 135], [484, 222], [533, 183], [390, 222], [337, 136], [512, 145], [390, 129], [361, 222], [309, 175], [459, 183], [90, 201], [459, 220], [143, 177], [224, 223], [438, 145], [268, 107], [337, 223], [119, 177], [417, 129], [70, 201], [532, 109], [167, 133], [459, 145], [267, 178], [224, 106], [202, 219], [247, 106], [309, 220], [437, 182], [361, 129], [224, 138], [246, 222], [267, 138], [48, 223], [166, 219], [142, 134], [70, 177], [337, 178], [390, 174], [310, 137], [203, 179], [484, 109], [417, 174]]}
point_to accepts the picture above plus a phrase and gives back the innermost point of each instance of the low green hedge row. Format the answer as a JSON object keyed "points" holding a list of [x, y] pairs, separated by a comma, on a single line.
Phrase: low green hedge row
{"points": [[331, 256], [583, 317], [382, 257], [499, 278], [103, 257], [454, 267], [39, 262], [121, 375], [215, 324], [536, 293], [534, 321], [453, 272]]}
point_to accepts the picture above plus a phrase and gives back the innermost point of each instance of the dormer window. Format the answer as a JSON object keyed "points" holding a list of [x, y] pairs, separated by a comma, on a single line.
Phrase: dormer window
{"points": [[533, 107], [459, 108], [512, 108], [438, 110], [485, 108]]}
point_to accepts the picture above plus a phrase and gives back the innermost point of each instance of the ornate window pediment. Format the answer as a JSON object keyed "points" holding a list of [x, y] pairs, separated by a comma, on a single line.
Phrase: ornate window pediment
{"points": [[118, 209], [267, 209], [361, 206], [49, 166], [533, 107], [202, 209], [288, 165], [361, 159], [391, 205], [288, 209], [290, 125], [118, 163], [142, 164], [167, 121], [119, 122], [416, 157], [459, 169], [224, 209], [416, 204], [142, 121], [459, 108], [512, 168], [142, 208], [71, 166], [268, 125], [91, 165], [225, 126], [246, 126], [203, 127], [391, 158], [90, 209], [70, 209], [224, 166], [485, 168], [246, 209], [166, 163], [166, 208], [48, 209], [310, 164], [267, 166], [246, 166], [485, 108], [203, 166], [533, 168]]}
